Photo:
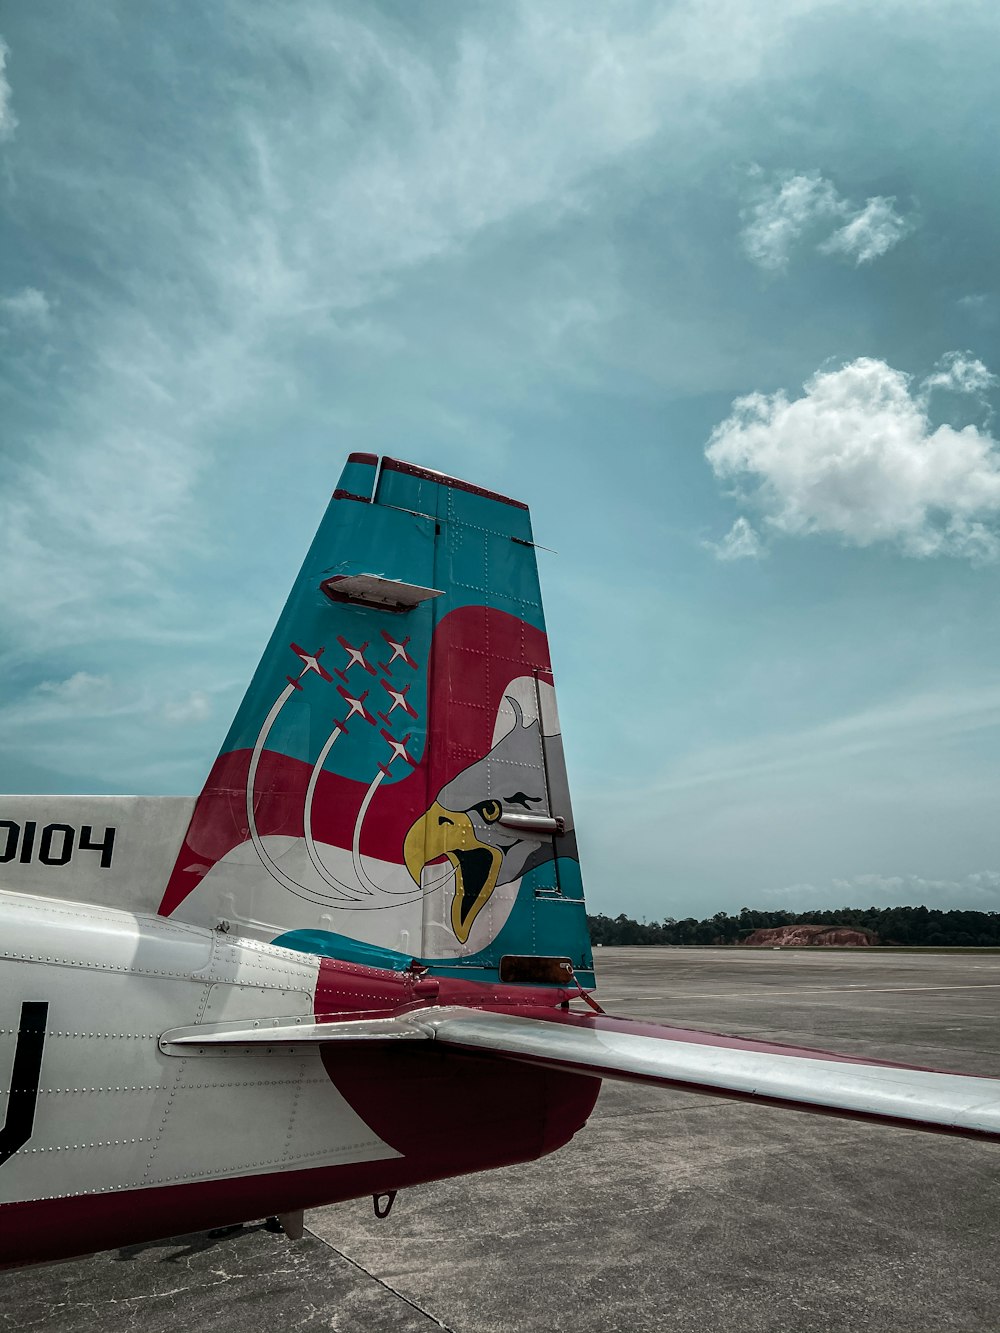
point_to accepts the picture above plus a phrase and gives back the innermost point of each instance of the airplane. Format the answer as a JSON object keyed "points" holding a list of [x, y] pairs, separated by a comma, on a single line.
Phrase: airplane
{"points": [[399, 750], [311, 661], [355, 657], [357, 706], [398, 701], [207, 1017], [398, 651]]}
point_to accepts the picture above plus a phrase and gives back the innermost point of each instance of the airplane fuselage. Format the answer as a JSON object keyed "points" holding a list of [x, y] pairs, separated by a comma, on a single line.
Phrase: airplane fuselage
{"points": [[125, 1142]]}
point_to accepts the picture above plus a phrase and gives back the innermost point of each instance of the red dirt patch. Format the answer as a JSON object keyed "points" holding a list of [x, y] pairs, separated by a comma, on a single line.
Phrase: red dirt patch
{"points": [[797, 936]]}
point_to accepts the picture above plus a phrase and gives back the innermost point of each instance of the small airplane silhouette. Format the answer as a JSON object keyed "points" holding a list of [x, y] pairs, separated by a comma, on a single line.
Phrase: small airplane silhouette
{"points": [[398, 700], [356, 705], [399, 751], [311, 661], [398, 651], [355, 657]]}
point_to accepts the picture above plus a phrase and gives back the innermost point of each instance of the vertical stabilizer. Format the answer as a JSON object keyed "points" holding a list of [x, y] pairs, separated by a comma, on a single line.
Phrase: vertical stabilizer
{"points": [[393, 786]]}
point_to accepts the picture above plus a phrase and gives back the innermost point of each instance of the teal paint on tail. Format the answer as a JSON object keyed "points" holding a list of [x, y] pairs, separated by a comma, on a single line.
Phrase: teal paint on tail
{"points": [[393, 785]]}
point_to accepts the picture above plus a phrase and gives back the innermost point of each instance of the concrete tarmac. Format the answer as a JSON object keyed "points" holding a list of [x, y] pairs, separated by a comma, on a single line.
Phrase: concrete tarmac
{"points": [[669, 1211]]}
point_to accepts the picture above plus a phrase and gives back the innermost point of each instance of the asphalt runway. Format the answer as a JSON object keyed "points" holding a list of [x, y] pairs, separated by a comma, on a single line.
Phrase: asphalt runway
{"points": [[669, 1211]]}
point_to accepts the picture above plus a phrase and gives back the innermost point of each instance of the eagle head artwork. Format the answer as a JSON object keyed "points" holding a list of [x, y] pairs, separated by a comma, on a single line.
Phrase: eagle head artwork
{"points": [[464, 825]]}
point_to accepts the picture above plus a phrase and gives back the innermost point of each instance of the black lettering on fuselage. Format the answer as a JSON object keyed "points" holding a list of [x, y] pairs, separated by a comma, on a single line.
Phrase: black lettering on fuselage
{"points": [[23, 1098], [55, 845]]}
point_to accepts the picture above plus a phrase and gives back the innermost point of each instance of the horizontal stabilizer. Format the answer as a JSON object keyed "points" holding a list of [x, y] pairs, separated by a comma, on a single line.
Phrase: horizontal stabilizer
{"points": [[252, 1036], [735, 1067], [619, 1048]]}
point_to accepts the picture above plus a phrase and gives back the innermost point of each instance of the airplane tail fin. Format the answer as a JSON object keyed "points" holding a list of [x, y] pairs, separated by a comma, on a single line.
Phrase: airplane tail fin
{"points": [[393, 786]]}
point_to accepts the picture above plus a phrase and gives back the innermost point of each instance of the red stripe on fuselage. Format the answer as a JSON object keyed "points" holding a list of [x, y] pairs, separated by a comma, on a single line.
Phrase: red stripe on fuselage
{"points": [[447, 1113]]}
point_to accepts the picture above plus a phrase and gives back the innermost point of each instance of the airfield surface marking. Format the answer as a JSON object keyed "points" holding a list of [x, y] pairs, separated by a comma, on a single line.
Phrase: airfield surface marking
{"points": [[852, 987]]}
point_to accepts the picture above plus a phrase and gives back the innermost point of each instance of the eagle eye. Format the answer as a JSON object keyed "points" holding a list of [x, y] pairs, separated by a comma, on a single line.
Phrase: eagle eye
{"points": [[489, 810]]}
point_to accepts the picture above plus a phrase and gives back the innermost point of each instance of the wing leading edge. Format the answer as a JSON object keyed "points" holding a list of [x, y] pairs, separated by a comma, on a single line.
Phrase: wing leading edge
{"points": [[620, 1048]]}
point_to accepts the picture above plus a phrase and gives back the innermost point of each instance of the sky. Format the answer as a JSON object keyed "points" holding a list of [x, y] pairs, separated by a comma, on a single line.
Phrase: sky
{"points": [[714, 287]]}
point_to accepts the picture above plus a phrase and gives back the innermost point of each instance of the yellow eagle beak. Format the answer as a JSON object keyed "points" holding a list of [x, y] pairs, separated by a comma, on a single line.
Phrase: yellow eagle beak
{"points": [[440, 832]]}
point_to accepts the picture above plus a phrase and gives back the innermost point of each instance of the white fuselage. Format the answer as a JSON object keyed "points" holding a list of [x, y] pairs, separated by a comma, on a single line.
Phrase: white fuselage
{"points": [[113, 1112]]}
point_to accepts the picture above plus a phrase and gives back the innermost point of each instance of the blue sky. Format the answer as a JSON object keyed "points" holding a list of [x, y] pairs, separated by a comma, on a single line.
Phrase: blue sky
{"points": [[713, 286]]}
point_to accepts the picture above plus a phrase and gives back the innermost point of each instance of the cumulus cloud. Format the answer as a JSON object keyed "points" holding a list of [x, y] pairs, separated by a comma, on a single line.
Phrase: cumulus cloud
{"points": [[857, 457], [8, 121], [870, 233], [783, 213], [741, 542], [798, 206], [27, 307], [960, 372]]}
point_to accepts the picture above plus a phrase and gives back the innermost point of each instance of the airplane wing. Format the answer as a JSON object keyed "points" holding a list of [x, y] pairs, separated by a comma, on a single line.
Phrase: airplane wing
{"points": [[621, 1048]]}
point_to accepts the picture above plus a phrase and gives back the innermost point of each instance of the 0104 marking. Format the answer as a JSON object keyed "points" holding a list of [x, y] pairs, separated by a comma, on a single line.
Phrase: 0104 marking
{"points": [[53, 845]]}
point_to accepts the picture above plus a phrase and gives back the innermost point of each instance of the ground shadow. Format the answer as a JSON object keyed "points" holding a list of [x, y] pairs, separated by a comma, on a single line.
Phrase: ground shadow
{"points": [[195, 1243]]}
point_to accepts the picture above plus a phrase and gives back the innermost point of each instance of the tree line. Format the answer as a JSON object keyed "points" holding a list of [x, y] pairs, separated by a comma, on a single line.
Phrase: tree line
{"points": [[889, 925]]}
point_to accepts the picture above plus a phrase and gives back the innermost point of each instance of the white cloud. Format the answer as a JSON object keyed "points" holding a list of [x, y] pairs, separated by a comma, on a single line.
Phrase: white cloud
{"points": [[960, 372], [516, 119], [8, 121], [237, 286], [784, 213], [80, 698], [78, 692], [793, 207], [196, 707], [29, 306], [101, 712], [870, 233], [741, 542], [857, 457]]}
